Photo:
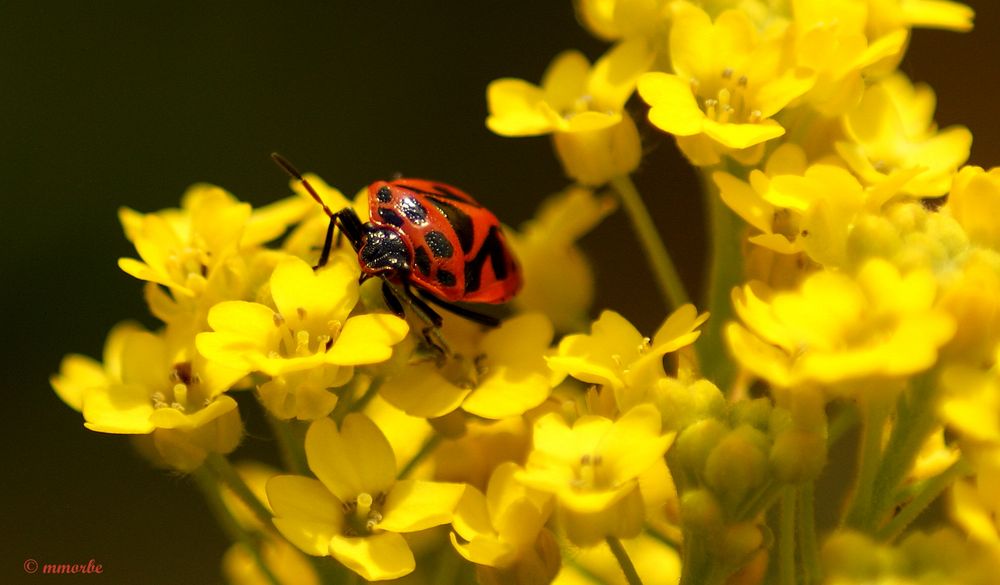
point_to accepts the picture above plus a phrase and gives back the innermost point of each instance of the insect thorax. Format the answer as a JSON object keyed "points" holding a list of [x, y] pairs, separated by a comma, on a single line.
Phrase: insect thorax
{"points": [[383, 250]]}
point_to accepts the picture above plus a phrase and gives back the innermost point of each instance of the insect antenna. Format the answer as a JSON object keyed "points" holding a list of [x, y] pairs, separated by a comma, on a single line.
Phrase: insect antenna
{"points": [[295, 174]]}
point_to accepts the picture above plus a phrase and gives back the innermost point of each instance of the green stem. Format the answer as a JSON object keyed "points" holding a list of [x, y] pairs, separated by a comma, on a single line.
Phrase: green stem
{"points": [[725, 273], [842, 421], [207, 484], [927, 493], [631, 576], [667, 279], [290, 441], [227, 474], [914, 422], [426, 449], [807, 533], [786, 538], [860, 511]]}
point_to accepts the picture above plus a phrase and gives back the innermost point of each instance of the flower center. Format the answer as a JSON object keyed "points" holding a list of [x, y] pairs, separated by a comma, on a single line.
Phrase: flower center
{"points": [[188, 266], [588, 472], [185, 391], [730, 103], [363, 513], [302, 342]]}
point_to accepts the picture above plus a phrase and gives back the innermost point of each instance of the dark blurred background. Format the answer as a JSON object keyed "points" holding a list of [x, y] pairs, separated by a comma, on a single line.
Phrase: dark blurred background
{"points": [[127, 103]]}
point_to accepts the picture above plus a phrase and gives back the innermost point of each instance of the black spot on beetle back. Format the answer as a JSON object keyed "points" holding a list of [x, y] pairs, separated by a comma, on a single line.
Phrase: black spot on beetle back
{"points": [[439, 245], [446, 278], [390, 217], [384, 194], [413, 210], [459, 220], [422, 260]]}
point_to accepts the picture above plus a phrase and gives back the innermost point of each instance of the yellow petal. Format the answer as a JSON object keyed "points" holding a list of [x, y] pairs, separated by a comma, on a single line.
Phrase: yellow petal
{"points": [[77, 374], [674, 108], [633, 444], [120, 409], [515, 109], [614, 76], [306, 513], [565, 80], [309, 299], [354, 460], [415, 505], [420, 390], [376, 557], [367, 339], [742, 135]]}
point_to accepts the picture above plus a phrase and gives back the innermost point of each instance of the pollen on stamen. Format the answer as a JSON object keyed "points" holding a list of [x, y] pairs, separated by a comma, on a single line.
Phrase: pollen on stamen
{"points": [[727, 73], [301, 313], [742, 81], [278, 319], [755, 116]]}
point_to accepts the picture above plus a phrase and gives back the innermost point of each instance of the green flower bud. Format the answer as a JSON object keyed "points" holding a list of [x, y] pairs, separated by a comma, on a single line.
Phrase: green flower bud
{"points": [[701, 512], [739, 541], [752, 412], [694, 444], [737, 464], [682, 405], [798, 456]]}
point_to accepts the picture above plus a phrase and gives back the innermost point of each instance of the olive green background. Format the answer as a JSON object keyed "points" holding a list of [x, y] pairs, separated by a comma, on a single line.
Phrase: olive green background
{"points": [[104, 104]]}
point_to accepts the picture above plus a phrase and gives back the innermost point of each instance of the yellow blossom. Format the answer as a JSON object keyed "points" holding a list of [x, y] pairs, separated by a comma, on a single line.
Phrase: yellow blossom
{"points": [[180, 248], [505, 529], [836, 329], [308, 328], [592, 468], [728, 83], [615, 19], [154, 385], [558, 279], [892, 128], [508, 375], [615, 354], [356, 511], [885, 16], [975, 202], [582, 105], [974, 504]]}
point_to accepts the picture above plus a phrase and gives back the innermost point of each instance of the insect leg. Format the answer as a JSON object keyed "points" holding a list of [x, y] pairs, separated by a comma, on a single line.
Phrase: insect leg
{"points": [[469, 314], [392, 300]]}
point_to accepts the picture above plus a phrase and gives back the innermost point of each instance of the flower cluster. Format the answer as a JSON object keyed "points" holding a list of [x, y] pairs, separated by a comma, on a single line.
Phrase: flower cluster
{"points": [[854, 300]]}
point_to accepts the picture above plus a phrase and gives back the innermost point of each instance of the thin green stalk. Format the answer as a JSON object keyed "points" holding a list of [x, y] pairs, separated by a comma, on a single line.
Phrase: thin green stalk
{"points": [[842, 422], [859, 513], [667, 279], [225, 473], [290, 441], [807, 533], [426, 449], [786, 538], [348, 403], [927, 493], [725, 273], [914, 422], [631, 576], [207, 484]]}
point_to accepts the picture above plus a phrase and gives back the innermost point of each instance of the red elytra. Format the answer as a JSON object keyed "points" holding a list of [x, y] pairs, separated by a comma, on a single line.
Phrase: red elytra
{"points": [[457, 246]]}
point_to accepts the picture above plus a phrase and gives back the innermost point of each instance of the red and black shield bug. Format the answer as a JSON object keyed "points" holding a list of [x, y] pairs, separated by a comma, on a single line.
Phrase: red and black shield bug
{"points": [[427, 236]]}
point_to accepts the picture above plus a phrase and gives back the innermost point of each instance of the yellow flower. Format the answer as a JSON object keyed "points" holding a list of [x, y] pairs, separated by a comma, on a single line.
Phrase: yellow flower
{"points": [[970, 405], [975, 202], [892, 128], [583, 106], [509, 375], [308, 328], [729, 81], [592, 468], [885, 16], [505, 529], [836, 330], [615, 19], [830, 40], [180, 248], [356, 511], [153, 385], [616, 355], [558, 280]]}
